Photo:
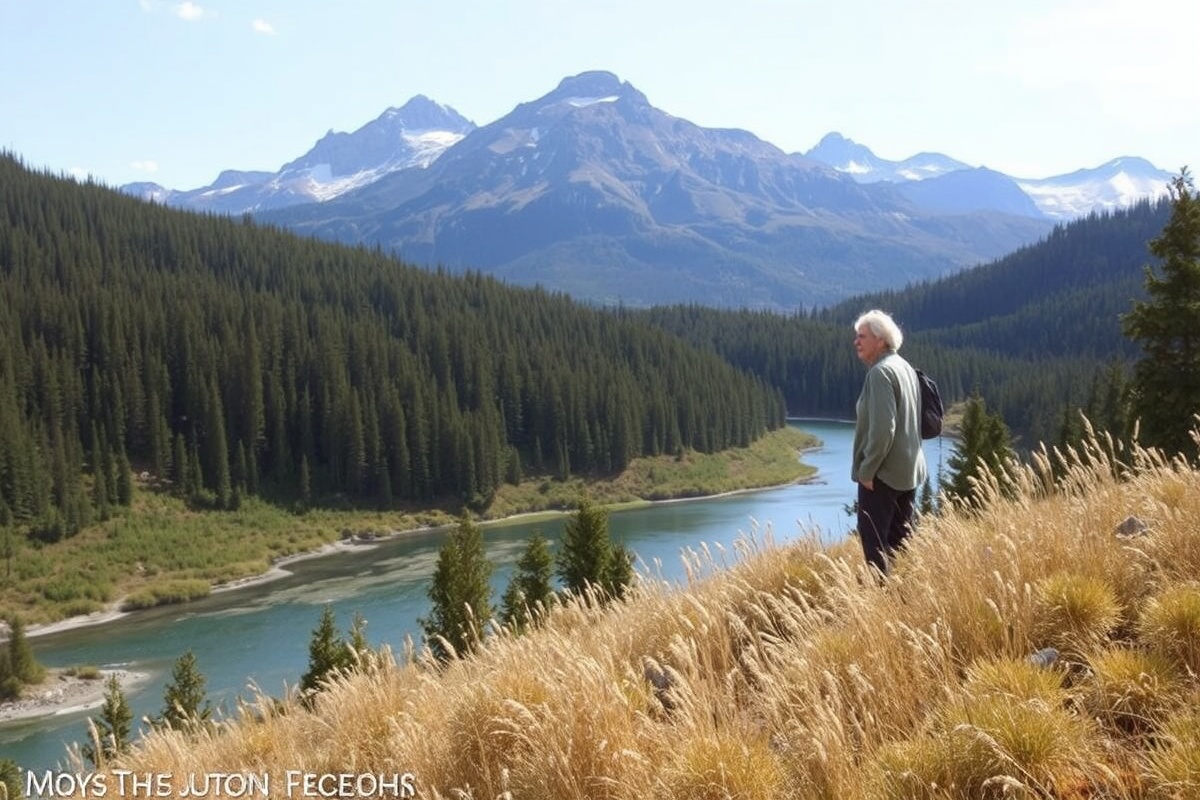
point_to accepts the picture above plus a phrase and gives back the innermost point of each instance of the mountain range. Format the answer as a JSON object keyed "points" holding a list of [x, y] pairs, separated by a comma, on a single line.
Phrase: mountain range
{"points": [[1113, 185], [593, 191]]}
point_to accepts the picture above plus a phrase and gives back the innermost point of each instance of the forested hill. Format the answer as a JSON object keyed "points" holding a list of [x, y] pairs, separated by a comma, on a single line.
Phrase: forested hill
{"points": [[1060, 297], [223, 358], [1031, 331]]}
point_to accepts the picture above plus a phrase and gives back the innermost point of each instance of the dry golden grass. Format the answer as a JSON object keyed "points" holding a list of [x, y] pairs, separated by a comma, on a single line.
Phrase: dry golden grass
{"points": [[790, 673]]}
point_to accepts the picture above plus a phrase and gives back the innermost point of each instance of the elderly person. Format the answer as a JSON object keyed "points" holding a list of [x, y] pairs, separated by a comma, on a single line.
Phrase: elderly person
{"points": [[889, 463]]}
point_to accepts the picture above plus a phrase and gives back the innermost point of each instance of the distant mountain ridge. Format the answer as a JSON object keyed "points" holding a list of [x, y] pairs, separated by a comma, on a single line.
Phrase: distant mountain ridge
{"points": [[1111, 186], [408, 137], [593, 191], [856, 160]]}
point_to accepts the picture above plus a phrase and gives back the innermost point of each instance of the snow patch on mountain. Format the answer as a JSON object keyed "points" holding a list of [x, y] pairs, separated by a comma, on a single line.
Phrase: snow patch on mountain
{"points": [[1111, 186], [584, 102], [319, 182]]}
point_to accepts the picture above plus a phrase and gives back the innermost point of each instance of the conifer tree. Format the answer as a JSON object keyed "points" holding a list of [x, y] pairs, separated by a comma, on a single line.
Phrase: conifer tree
{"points": [[357, 638], [21, 662], [183, 699], [100, 496], [530, 586], [927, 504], [179, 466], [8, 539], [306, 495], [618, 576], [327, 652], [1166, 380], [985, 445], [110, 733], [460, 592], [585, 552], [124, 477], [218, 450], [10, 685]]}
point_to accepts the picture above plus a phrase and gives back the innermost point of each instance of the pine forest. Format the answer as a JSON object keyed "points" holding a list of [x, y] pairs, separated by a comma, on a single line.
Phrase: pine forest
{"points": [[218, 358]]}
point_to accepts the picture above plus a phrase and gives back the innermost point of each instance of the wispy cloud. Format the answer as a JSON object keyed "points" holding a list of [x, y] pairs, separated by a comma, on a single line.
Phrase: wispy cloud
{"points": [[145, 166], [263, 27], [189, 11]]}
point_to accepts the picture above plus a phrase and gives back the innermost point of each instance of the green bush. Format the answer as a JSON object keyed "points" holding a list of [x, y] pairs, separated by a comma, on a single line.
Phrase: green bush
{"points": [[86, 672], [10, 688]]}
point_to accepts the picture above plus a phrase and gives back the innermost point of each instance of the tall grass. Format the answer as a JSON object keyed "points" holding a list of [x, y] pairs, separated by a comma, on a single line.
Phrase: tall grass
{"points": [[786, 671]]}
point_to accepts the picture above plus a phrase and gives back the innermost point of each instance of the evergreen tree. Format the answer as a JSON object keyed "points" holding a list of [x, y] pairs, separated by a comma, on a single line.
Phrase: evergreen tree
{"points": [[8, 541], [984, 445], [927, 504], [179, 466], [530, 586], [1166, 380], [306, 495], [100, 458], [218, 450], [460, 592], [585, 552], [183, 700], [10, 685], [327, 652], [357, 638], [618, 576], [110, 733], [21, 662]]}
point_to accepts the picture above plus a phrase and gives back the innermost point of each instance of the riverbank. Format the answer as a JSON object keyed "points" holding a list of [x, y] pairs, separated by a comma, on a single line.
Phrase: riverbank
{"points": [[219, 548], [63, 692]]}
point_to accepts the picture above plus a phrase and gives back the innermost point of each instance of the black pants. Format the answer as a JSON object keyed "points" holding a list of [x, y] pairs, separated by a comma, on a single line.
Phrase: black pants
{"points": [[884, 521]]}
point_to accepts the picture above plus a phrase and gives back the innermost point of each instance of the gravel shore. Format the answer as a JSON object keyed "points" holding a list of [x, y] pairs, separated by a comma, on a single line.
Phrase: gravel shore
{"points": [[61, 693]]}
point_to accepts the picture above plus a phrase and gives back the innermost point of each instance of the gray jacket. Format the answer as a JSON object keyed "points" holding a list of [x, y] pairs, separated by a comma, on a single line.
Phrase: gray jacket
{"points": [[887, 431]]}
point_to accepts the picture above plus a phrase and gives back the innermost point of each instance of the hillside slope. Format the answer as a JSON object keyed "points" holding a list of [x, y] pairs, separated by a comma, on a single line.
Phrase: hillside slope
{"points": [[793, 675]]}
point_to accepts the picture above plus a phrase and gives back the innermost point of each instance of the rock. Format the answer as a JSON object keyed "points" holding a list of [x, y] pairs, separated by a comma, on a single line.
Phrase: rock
{"points": [[1046, 657], [1131, 527]]}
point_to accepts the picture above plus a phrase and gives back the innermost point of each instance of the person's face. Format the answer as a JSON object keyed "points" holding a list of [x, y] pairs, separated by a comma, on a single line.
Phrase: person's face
{"points": [[868, 346]]}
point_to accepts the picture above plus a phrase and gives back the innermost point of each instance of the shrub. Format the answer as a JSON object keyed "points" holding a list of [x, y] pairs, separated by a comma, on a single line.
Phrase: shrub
{"points": [[988, 747], [1075, 613], [1130, 690], [166, 593], [1174, 762], [723, 765], [1170, 624], [10, 688], [85, 672], [1020, 680]]}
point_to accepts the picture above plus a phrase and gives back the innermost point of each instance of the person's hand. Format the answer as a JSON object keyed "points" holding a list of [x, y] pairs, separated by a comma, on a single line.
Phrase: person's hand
{"points": [[869, 484]]}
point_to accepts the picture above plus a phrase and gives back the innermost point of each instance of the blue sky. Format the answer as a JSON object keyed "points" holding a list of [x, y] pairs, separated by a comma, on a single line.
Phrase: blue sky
{"points": [[174, 92]]}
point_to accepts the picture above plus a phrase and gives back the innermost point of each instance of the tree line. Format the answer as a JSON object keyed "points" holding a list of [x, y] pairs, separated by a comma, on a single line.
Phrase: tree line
{"points": [[218, 358]]}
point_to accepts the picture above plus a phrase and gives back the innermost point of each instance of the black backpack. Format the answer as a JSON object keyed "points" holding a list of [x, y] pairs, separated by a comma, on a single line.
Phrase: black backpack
{"points": [[931, 407]]}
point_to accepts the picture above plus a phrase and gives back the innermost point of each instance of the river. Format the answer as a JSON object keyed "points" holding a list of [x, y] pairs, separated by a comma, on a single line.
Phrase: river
{"points": [[259, 635]]}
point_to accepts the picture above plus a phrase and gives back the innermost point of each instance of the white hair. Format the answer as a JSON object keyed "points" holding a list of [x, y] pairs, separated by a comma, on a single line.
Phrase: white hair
{"points": [[883, 326]]}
